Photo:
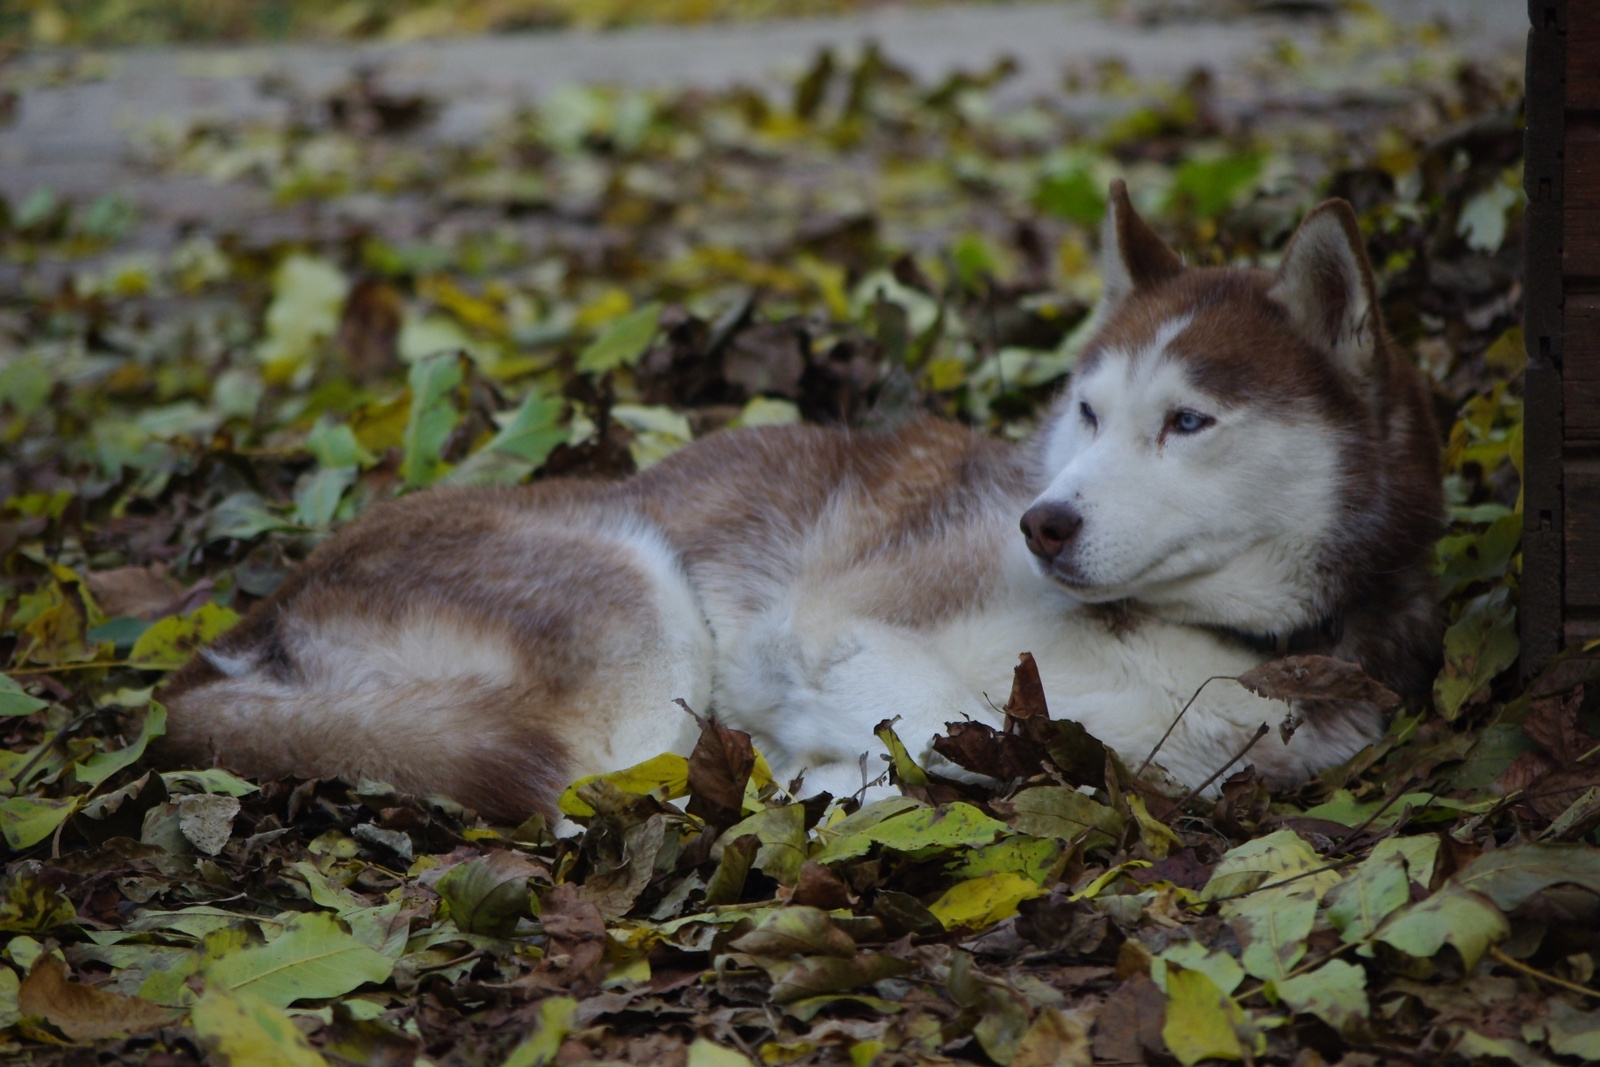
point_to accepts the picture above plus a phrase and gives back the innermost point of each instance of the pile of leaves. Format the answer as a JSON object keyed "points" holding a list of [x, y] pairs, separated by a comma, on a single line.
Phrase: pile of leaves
{"points": [[185, 415]]}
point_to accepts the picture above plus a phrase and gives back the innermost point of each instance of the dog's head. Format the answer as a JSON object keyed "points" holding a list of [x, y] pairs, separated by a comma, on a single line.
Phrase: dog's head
{"points": [[1232, 437]]}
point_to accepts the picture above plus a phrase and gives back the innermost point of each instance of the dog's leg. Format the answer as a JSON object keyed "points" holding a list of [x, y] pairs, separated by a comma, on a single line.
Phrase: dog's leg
{"points": [[812, 699]]}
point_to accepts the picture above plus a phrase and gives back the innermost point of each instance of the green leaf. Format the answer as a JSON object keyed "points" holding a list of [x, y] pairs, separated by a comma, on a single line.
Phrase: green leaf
{"points": [[556, 1017], [1452, 916], [1207, 187], [170, 643], [782, 832], [1033, 857], [317, 494], [533, 430], [1571, 1032], [1215, 964], [487, 895], [433, 415], [947, 826], [705, 1053], [334, 445], [1064, 814], [524, 441], [1200, 1019], [210, 780], [1369, 895], [13, 701], [308, 295], [622, 342], [1075, 195], [1265, 861], [241, 1028], [1336, 993], [314, 957], [102, 765], [796, 931], [1273, 926], [1478, 646], [27, 820], [1509, 876], [978, 903]]}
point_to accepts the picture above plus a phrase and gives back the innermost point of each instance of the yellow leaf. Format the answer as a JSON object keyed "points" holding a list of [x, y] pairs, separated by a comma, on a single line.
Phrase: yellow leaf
{"points": [[1157, 835], [665, 777], [242, 1028], [168, 644], [982, 902], [1200, 1019]]}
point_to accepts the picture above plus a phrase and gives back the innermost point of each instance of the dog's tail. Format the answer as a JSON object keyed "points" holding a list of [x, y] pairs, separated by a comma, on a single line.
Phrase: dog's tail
{"points": [[462, 737]]}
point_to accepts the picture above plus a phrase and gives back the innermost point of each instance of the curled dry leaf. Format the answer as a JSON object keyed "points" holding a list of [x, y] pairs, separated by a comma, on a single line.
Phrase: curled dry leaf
{"points": [[1317, 678]]}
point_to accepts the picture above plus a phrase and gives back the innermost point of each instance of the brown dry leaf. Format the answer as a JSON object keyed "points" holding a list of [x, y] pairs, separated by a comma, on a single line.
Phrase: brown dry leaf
{"points": [[1056, 1039], [819, 887], [1317, 678], [1130, 1022], [369, 329], [1027, 691], [1553, 723], [982, 749], [83, 1012], [577, 933], [719, 768], [147, 593]]}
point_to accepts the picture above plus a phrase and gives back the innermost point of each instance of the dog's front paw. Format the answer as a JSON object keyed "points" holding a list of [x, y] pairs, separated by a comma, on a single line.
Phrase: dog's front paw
{"points": [[935, 763]]}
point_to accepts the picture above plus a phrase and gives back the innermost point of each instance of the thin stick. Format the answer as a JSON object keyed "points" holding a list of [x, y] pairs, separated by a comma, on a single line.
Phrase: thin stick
{"points": [[45, 747], [1261, 732], [1370, 819], [1534, 972], [1334, 866], [1174, 726], [23, 672]]}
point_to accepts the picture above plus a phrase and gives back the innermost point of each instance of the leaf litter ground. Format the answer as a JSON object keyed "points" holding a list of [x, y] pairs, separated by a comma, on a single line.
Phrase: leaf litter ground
{"points": [[609, 277]]}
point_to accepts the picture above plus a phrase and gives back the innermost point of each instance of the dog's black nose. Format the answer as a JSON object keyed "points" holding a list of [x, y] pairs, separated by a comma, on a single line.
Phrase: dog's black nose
{"points": [[1048, 528]]}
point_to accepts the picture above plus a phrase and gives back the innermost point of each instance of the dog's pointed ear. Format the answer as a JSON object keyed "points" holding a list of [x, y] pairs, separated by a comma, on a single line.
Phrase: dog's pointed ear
{"points": [[1132, 256], [1326, 285]]}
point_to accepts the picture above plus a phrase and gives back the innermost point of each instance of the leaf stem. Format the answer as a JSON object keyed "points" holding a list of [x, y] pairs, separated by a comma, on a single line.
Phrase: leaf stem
{"points": [[1533, 972]]}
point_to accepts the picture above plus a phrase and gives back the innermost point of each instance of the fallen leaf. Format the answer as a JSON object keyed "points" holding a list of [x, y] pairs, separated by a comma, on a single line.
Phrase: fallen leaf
{"points": [[1295, 678], [83, 1012], [243, 1028]]}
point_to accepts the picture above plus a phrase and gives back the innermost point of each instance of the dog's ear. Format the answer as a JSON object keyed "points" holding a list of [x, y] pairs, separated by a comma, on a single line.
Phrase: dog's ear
{"points": [[1325, 284], [1132, 256]]}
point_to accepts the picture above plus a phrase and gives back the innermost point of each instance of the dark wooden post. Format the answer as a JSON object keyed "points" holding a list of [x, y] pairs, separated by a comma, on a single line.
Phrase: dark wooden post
{"points": [[1561, 542]]}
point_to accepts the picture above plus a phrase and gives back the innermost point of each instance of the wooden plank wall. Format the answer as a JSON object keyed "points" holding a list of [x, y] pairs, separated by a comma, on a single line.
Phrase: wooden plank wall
{"points": [[1580, 365]]}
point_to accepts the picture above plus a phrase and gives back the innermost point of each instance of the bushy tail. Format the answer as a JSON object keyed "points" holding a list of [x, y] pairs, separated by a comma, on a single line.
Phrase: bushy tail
{"points": [[466, 739]]}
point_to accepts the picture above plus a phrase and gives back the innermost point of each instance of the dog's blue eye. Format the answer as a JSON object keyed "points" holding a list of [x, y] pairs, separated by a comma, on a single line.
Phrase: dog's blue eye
{"points": [[1186, 421], [1088, 414]]}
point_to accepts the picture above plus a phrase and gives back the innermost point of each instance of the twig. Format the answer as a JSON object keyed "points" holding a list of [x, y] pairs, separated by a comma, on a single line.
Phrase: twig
{"points": [[1261, 731], [1336, 865], [1370, 819], [46, 746], [23, 672], [1307, 965], [1174, 726], [1534, 972]]}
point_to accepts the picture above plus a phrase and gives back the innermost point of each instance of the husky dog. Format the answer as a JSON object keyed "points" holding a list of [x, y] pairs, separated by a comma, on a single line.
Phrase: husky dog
{"points": [[1243, 464]]}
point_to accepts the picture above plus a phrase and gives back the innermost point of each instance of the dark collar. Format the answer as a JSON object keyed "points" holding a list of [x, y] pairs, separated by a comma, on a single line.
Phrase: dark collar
{"points": [[1318, 637]]}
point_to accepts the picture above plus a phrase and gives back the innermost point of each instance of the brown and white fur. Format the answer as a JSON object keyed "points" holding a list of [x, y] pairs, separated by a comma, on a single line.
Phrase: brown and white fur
{"points": [[1242, 456]]}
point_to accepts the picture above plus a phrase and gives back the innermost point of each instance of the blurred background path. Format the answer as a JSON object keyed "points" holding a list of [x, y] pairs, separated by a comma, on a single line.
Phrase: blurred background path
{"points": [[74, 121]]}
